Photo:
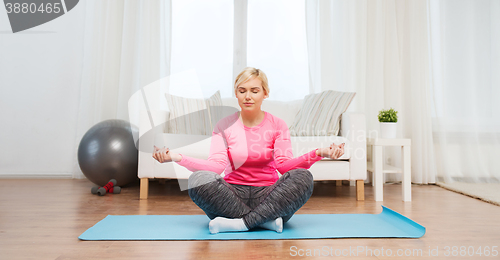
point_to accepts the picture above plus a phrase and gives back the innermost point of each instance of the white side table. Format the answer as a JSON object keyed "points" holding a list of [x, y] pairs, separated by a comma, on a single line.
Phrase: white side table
{"points": [[377, 167]]}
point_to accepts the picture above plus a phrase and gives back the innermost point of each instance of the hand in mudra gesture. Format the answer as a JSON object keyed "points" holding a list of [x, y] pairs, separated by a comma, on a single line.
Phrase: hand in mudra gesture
{"points": [[333, 152], [162, 154]]}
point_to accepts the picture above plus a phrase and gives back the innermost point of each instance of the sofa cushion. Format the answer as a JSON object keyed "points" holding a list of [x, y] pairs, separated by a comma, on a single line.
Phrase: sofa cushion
{"points": [[320, 113], [284, 110], [231, 102], [330, 170], [192, 116]]}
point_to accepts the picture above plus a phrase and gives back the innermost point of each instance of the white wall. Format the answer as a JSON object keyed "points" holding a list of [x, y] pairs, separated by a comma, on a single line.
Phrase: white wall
{"points": [[40, 72]]}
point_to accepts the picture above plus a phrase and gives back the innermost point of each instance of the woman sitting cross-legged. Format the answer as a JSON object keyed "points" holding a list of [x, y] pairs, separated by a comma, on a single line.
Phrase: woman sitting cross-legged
{"points": [[249, 146]]}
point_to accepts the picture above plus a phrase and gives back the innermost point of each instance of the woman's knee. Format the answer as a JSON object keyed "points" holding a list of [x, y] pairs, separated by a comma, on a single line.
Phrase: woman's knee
{"points": [[304, 175], [199, 178], [299, 181]]}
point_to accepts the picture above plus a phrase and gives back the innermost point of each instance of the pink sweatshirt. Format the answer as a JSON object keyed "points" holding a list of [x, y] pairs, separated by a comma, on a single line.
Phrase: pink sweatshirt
{"points": [[256, 152]]}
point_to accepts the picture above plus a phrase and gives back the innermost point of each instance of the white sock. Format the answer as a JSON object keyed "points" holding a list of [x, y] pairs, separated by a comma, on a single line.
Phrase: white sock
{"points": [[221, 224], [276, 225]]}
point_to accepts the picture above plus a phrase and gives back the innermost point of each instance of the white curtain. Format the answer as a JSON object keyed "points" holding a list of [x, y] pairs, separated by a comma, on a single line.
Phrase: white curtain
{"points": [[378, 49], [465, 52], [126, 47]]}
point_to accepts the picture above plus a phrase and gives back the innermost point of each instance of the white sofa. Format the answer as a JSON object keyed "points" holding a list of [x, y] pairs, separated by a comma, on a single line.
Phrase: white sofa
{"points": [[351, 166]]}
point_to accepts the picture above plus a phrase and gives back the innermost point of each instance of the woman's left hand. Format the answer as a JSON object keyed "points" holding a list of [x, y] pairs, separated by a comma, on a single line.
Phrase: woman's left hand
{"points": [[333, 152]]}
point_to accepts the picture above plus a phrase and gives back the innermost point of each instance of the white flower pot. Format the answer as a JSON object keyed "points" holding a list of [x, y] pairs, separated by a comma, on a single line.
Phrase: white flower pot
{"points": [[388, 130]]}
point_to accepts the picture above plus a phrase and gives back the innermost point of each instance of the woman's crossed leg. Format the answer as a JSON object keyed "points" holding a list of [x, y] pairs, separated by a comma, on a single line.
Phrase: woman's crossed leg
{"points": [[240, 208]]}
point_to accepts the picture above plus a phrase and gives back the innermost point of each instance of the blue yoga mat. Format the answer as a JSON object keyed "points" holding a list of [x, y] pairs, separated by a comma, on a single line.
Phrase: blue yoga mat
{"points": [[388, 223]]}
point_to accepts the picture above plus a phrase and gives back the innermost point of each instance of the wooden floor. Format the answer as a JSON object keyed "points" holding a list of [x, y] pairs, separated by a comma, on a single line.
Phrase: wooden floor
{"points": [[42, 219]]}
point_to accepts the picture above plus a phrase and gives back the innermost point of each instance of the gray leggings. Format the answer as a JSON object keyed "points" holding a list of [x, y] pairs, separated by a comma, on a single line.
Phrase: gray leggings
{"points": [[255, 204]]}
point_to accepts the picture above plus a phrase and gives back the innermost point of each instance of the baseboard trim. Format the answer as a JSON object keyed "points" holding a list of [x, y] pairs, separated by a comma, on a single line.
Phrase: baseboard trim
{"points": [[36, 175], [469, 179]]}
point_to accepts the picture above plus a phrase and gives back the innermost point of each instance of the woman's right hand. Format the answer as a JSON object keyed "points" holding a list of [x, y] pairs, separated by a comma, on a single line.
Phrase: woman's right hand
{"points": [[162, 155]]}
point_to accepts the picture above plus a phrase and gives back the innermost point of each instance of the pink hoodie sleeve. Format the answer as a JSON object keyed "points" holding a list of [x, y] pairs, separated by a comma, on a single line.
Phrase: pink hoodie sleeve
{"points": [[283, 156], [217, 160]]}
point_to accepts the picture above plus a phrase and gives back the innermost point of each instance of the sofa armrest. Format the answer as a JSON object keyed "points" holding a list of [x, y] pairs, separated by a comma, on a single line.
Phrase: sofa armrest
{"points": [[353, 128], [147, 133]]}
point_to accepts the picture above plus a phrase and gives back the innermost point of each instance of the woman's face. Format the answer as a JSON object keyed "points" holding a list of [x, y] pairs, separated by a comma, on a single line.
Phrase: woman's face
{"points": [[251, 94]]}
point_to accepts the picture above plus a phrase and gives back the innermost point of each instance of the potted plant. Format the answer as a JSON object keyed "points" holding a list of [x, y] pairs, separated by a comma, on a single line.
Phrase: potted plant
{"points": [[388, 121]]}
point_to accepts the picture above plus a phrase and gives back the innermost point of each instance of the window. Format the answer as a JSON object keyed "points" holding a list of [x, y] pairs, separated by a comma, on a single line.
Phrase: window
{"points": [[277, 44], [202, 40]]}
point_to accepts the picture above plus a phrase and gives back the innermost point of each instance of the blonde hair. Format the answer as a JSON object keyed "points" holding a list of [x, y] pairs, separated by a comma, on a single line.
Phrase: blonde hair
{"points": [[249, 73]]}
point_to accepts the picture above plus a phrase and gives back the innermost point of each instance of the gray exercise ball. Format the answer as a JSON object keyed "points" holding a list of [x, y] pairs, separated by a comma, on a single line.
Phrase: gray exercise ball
{"points": [[107, 151]]}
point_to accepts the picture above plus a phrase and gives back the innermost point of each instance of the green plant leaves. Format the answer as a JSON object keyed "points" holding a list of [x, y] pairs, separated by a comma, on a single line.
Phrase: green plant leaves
{"points": [[389, 115]]}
